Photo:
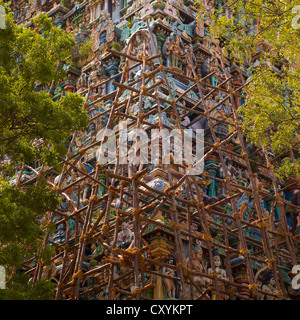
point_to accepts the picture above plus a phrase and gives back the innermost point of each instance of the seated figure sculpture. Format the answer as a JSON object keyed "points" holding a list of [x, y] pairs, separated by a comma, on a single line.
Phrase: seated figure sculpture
{"points": [[125, 237]]}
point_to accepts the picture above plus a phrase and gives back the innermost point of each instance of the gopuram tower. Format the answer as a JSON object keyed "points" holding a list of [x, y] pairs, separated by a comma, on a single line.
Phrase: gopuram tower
{"points": [[162, 229]]}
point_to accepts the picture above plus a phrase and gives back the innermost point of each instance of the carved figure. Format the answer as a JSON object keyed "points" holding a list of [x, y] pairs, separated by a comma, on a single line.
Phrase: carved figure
{"points": [[169, 283], [125, 237]]}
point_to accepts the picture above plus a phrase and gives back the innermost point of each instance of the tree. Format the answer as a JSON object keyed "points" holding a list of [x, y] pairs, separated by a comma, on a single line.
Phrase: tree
{"points": [[32, 127], [263, 36]]}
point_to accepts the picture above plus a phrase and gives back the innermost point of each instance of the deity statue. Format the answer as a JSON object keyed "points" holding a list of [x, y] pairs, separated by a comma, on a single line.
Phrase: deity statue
{"points": [[196, 263], [191, 60], [221, 273], [213, 66], [82, 82], [138, 44], [169, 283], [269, 286], [230, 170], [125, 237], [173, 50], [96, 73]]}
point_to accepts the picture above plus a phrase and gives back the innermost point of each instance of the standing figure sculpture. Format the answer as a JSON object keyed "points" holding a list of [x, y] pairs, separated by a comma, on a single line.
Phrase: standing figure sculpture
{"points": [[196, 263], [169, 283], [221, 274]]}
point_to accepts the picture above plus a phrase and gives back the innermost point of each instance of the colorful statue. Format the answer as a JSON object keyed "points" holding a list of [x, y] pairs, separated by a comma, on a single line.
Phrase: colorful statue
{"points": [[198, 264]]}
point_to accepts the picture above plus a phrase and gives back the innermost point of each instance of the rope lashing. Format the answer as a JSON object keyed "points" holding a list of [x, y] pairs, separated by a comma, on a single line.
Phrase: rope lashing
{"points": [[243, 252], [78, 275]]}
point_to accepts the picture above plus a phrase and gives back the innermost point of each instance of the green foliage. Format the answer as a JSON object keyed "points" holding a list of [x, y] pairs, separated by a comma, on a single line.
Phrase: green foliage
{"points": [[28, 63], [159, 4], [65, 3], [19, 211], [117, 46], [42, 290], [262, 32], [32, 127], [85, 49], [129, 23], [21, 235]]}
